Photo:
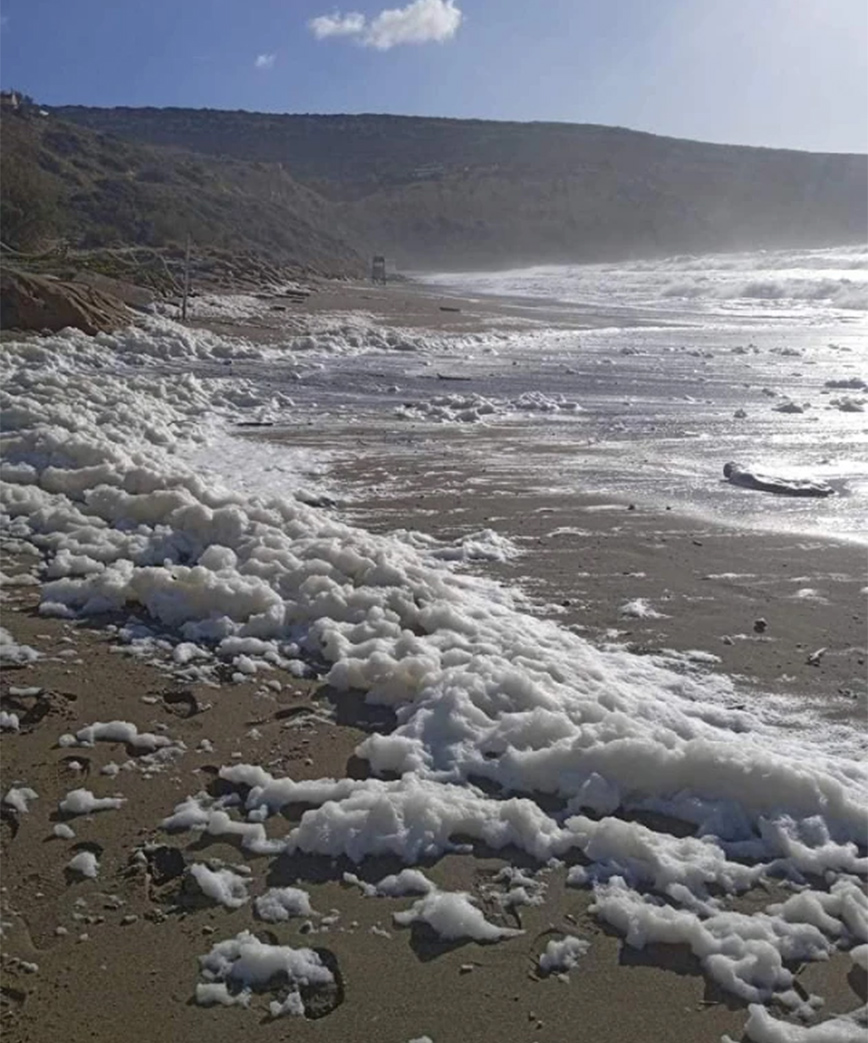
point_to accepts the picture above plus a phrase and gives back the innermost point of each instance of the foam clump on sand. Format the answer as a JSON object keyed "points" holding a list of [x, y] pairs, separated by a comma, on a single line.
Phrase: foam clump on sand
{"points": [[539, 402], [763, 1027], [485, 545], [560, 956], [744, 954], [85, 864], [644, 857], [407, 882], [19, 797], [451, 409], [848, 404], [220, 885], [639, 608], [452, 915], [115, 731], [236, 968], [83, 802], [356, 333], [474, 408], [282, 903], [12, 652], [9, 721], [521, 888], [413, 818], [199, 813]]}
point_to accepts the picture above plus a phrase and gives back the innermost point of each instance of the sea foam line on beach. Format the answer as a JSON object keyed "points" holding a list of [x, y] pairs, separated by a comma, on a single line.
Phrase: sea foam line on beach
{"points": [[93, 475]]}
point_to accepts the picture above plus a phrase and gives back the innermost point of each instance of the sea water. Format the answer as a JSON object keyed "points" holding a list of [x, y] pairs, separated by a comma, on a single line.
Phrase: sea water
{"points": [[761, 358]]}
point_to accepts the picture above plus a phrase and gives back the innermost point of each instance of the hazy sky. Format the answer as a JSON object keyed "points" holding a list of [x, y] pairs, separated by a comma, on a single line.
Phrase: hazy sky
{"points": [[787, 73]]}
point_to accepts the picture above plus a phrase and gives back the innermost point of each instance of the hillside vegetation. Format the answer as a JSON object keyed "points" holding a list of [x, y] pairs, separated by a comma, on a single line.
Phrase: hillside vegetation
{"points": [[454, 193], [322, 192], [63, 181]]}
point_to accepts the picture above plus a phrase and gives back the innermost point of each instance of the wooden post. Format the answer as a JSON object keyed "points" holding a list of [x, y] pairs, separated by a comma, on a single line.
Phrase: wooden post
{"points": [[186, 282]]}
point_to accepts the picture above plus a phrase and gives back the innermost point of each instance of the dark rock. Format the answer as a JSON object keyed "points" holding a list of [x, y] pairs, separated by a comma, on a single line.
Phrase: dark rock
{"points": [[165, 863]]}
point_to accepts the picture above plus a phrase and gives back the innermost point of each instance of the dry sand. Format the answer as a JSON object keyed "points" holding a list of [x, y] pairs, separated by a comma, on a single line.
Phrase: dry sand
{"points": [[117, 957]]}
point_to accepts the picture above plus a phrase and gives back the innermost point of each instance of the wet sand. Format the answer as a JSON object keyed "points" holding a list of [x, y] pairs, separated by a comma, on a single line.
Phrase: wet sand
{"points": [[412, 306], [584, 558], [124, 962]]}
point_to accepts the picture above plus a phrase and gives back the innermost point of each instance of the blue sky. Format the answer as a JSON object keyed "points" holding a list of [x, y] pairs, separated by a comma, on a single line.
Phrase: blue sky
{"points": [[784, 73]]}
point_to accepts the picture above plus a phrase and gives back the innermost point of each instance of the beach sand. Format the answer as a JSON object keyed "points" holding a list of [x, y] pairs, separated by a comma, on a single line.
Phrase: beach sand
{"points": [[408, 305], [117, 956]]}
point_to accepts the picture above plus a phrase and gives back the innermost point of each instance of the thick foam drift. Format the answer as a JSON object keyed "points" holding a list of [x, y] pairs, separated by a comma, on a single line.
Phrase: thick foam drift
{"points": [[492, 706]]}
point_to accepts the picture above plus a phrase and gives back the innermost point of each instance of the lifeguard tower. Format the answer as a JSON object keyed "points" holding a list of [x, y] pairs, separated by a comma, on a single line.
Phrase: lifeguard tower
{"points": [[378, 270]]}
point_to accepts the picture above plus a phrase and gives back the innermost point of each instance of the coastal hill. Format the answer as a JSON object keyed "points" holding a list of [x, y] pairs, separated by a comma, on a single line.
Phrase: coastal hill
{"points": [[444, 193], [452, 193], [60, 181]]}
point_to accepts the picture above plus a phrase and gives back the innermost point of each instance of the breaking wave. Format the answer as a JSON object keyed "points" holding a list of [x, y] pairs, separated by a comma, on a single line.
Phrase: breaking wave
{"points": [[840, 293]]}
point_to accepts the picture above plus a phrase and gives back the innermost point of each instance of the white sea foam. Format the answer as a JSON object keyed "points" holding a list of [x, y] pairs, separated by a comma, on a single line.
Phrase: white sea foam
{"points": [[9, 722], [639, 608], [221, 885], [484, 695], [282, 903], [12, 652], [83, 802], [19, 797], [85, 864], [475, 408], [238, 967], [115, 731], [407, 882], [762, 1027], [832, 278], [562, 955], [452, 914]]}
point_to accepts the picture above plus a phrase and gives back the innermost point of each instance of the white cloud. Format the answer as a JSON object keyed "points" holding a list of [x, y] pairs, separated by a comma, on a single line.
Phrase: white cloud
{"points": [[423, 21], [264, 61], [351, 24]]}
